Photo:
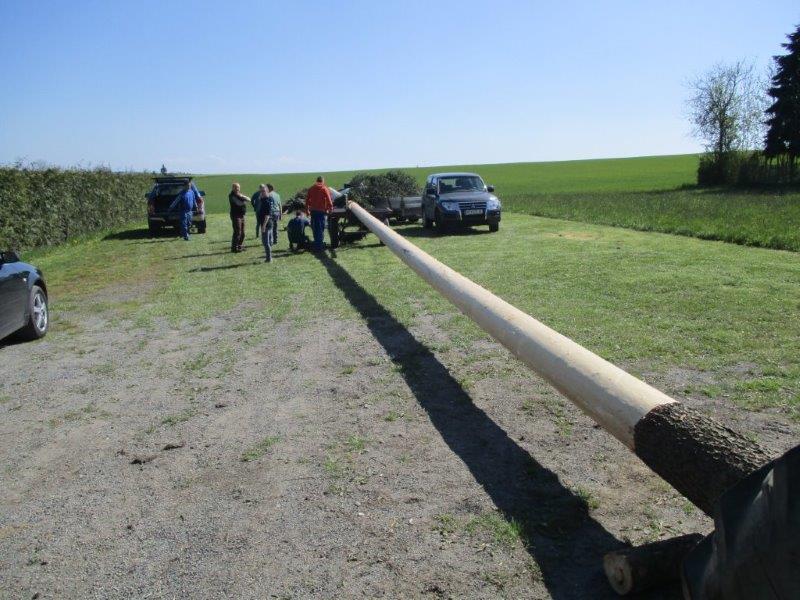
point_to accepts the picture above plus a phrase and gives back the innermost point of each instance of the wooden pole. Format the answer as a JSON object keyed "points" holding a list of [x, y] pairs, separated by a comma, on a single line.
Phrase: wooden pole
{"points": [[694, 453], [643, 567]]}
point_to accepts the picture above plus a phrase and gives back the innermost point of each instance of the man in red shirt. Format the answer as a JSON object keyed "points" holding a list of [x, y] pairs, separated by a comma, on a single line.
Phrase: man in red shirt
{"points": [[318, 204]]}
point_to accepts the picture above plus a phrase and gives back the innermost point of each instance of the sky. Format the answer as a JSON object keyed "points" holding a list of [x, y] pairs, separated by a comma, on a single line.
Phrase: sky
{"points": [[297, 86]]}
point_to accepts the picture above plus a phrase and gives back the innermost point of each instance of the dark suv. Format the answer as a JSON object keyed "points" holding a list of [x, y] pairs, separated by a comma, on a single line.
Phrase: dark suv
{"points": [[459, 199], [161, 197]]}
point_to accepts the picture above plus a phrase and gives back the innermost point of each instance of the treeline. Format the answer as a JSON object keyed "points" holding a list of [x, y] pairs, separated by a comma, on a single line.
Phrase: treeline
{"points": [[735, 110], [46, 206]]}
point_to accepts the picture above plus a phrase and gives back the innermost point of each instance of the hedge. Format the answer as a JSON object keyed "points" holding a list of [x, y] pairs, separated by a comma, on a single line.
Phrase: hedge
{"points": [[46, 206]]}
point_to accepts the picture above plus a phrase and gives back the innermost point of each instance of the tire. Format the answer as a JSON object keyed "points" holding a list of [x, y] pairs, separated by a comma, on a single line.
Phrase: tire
{"points": [[440, 225], [333, 232], [494, 227], [426, 222], [38, 315], [413, 219], [154, 229], [201, 227]]}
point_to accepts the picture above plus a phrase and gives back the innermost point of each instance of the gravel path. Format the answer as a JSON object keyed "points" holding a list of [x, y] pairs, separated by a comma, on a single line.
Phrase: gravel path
{"points": [[294, 459]]}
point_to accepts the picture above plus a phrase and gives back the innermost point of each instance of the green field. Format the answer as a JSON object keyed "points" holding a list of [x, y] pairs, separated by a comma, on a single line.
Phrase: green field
{"points": [[645, 193], [513, 180], [726, 314]]}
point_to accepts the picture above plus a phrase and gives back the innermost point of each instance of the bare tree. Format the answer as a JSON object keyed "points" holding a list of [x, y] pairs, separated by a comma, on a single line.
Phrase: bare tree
{"points": [[727, 106]]}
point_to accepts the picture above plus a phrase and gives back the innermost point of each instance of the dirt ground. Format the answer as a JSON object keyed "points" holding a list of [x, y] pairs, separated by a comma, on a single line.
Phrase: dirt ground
{"points": [[300, 460]]}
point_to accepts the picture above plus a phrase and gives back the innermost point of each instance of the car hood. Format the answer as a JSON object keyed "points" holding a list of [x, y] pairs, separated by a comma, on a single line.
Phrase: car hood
{"points": [[467, 197]]}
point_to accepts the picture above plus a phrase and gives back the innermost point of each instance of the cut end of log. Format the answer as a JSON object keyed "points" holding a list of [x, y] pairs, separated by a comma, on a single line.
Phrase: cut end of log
{"points": [[644, 567], [618, 572]]}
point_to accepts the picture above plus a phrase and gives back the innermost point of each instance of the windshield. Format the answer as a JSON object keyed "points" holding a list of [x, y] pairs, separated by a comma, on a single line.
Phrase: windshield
{"points": [[461, 183], [168, 189]]}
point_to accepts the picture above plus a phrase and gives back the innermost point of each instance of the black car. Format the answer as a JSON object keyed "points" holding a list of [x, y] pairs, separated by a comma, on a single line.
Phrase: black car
{"points": [[459, 199], [23, 299], [161, 197]]}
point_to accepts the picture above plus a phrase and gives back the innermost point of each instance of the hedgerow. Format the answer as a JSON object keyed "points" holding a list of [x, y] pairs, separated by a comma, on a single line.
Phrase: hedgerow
{"points": [[47, 206]]}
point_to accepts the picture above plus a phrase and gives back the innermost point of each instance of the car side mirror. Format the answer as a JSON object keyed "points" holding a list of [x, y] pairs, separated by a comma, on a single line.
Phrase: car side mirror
{"points": [[489, 188]]}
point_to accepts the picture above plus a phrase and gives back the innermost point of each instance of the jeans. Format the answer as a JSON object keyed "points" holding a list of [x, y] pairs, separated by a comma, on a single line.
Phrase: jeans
{"points": [[275, 229], [266, 239], [258, 225], [318, 228], [237, 239], [185, 223]]}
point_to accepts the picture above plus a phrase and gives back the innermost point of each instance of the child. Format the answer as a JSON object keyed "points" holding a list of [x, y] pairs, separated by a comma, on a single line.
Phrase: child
{"points": [[296, 231]]}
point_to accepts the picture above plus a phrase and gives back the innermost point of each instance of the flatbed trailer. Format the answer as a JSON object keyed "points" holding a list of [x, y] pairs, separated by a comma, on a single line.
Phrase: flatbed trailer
{"points": [[345, 228]]}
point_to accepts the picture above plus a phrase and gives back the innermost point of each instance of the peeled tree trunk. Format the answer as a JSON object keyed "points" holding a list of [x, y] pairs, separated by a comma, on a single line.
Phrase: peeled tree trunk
{"points": [[698, 456]]}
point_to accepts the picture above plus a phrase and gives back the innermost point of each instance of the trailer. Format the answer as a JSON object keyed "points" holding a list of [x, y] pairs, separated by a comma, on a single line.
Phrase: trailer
{"points": [[345, 228], [406, 208]]}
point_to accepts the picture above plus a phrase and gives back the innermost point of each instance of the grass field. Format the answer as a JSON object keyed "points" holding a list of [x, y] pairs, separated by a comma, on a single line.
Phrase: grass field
{"points": [[513, 180], [653, 302], [646, 193], [765, 219]]}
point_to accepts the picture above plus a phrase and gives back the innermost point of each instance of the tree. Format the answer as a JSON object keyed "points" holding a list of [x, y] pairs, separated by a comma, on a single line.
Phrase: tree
{"points": [[726, 108], [727, 114], [783, 134]]}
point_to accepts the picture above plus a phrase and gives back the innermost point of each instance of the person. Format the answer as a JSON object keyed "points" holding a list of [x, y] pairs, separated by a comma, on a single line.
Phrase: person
{"points": [[255, 201], [265, 217], [163, 169], [277, 209], [185, 203], [318, 203], [296, 231], [238, 202]]}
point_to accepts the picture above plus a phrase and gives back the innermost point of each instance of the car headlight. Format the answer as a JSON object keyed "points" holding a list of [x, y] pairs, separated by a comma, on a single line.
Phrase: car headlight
{"points": [[493, 204], [450, 205]]}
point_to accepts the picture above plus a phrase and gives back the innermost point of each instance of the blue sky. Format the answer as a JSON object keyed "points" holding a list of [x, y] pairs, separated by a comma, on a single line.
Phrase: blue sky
{"points": [[221, 87]]}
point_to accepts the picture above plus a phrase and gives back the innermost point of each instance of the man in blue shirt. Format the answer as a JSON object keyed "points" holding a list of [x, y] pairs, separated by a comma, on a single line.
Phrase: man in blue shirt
{"points": [[185, 203]]}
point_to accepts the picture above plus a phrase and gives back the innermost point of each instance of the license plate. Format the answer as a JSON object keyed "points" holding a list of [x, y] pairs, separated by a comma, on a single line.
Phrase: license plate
{"points": [[473, 211]]}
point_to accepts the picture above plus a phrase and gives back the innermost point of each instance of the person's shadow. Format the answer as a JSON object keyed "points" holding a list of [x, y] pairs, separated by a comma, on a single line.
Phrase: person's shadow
{"points": [[558, 532]]}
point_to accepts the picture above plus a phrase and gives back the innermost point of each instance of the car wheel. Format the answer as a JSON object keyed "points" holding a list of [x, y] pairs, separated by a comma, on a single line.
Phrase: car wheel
{"points": [[426, 222], [154, 229], [201, 227], [39, 316], [494, 227], [440, 225]]}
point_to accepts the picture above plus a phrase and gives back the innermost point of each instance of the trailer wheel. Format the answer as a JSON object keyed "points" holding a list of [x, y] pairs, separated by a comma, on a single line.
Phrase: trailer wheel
{"points": [[333, 231]]}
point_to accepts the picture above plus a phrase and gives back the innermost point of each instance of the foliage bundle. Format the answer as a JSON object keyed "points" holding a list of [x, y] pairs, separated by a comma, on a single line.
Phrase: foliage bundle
{"points": [[45, 206], [377, 188]]}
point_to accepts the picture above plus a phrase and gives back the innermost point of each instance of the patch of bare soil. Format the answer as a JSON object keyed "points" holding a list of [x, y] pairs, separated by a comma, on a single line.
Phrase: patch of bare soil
{"points": [[307, 459]]}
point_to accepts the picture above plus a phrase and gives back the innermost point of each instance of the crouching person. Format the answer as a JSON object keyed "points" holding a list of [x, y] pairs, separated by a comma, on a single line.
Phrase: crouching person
{"points": [[296, 231]]}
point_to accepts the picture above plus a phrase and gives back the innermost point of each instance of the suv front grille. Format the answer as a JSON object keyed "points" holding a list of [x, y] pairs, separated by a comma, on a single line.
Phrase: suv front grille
{"points": [[472, 205]]}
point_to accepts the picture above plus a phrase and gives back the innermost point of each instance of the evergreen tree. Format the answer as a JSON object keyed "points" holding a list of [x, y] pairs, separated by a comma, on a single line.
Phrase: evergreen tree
{"points": [[783, 136]]}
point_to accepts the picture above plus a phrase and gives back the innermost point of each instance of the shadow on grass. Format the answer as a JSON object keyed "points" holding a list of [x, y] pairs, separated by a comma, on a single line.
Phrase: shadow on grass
{"points": [[260, 261], [421, 232], [557, 529], [142, 234]]}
